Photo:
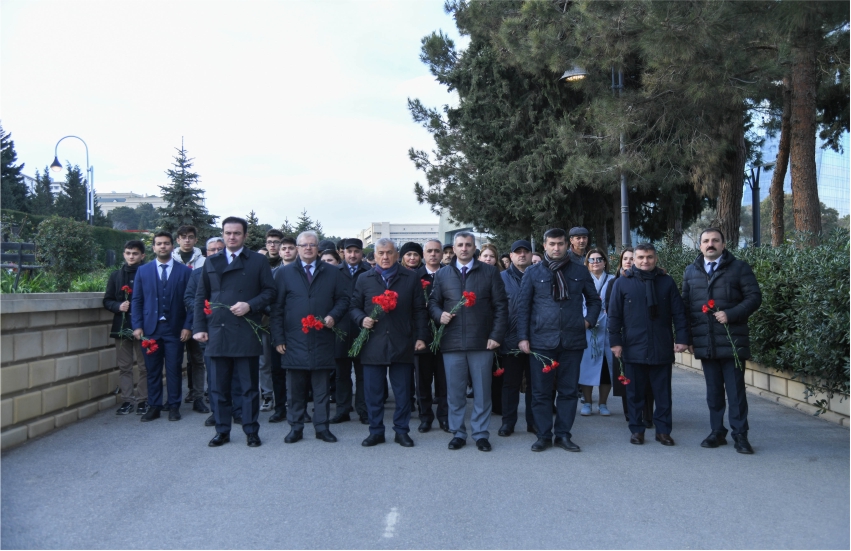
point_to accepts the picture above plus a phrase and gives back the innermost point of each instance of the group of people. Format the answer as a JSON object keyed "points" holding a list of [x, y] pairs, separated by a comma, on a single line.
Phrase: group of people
{"points": [[279, 328]]}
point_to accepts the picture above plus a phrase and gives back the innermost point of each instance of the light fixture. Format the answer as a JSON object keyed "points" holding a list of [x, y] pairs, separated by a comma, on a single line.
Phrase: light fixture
{"points": [[56, 166], [573, 74]]}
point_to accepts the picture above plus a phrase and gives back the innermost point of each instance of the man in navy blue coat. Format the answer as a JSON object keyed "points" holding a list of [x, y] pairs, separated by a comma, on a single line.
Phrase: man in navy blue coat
{"points": [[158, 314], [644, 304]]}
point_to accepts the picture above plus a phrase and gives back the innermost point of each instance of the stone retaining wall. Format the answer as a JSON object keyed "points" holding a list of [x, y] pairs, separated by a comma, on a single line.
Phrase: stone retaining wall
{"points": [[58, 363], [779, 386]]}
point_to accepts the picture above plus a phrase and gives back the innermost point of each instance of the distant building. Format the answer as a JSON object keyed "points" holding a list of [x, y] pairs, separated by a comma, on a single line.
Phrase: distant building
{"points": [[112, 200], [55, 187], [399, 233]]}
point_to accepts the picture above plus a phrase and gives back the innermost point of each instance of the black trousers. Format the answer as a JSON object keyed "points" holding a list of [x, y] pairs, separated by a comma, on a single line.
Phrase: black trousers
{"points": [[515, 367], [300, 381], [428, 367], [659, 378], [247, 369], [279, 382], [344, 387], [721, 375]]}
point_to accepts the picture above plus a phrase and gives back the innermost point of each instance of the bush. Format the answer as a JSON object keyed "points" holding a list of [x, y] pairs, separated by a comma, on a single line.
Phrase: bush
{"points": [[802, 326], [91, 283], [66, 248], [30, 282]]}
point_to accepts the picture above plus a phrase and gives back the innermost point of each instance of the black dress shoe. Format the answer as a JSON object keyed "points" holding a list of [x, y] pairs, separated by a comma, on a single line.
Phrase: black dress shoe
{"points": [[293, 437], [210, 421], [505, 430], [153, 413], [341, 418], [373, 440], [566, 444], [457, 443], [253, 440], [483, 445], [364, 421], [740, 442], [637, 438], [715, 439], [278, 417], [404, 440], [665, 439], [199, 406], [425, 426], [542, 444], [444, 425], [326, 436], [219, 439], [237, 420], [174, 414], [532, 428], [648, 423]]}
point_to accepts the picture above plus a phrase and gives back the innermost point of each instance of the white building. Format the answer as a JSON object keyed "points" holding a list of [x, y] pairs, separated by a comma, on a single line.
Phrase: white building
{"points": [[55, 187], [112, 200], [399, 233]]}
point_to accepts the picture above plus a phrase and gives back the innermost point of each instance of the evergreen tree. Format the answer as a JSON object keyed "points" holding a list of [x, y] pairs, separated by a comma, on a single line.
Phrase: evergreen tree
{"points": [[100, 219], [287, 229], [42, 199], [185, 201], [255, 238], [124, 218], [71, 202], [147, 216], [305, 223], [13, 193]]}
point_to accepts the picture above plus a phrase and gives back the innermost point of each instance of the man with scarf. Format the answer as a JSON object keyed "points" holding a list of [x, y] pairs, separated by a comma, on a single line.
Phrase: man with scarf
{"points": [[551, 327], [644, 305]]}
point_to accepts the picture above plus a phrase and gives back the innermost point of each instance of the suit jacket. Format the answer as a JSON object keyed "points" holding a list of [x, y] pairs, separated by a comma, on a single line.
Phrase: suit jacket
{"points": [[247, 279], [143, 301]]}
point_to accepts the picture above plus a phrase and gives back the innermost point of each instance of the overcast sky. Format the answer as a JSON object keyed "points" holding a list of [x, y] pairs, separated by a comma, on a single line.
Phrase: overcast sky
{"points": [[284, 105]]}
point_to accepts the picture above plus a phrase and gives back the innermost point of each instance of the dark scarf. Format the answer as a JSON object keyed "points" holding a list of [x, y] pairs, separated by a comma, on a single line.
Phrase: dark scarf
{"points": [[649, 279], [274, 262], [388, 274], [560, 291], [515, 274]]}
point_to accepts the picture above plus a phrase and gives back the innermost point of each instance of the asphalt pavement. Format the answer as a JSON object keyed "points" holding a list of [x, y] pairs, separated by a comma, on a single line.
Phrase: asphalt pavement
{"points": [[111, 482]]}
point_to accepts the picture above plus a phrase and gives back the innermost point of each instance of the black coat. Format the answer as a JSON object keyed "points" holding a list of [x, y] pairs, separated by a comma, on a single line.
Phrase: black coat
{"points": [[549, 324], [247, 279], [393, 336], [646, 341], [424, 276], [472, 327], [114, 297], [328, 295], [342, 346], [512, 291], [736, 292]]}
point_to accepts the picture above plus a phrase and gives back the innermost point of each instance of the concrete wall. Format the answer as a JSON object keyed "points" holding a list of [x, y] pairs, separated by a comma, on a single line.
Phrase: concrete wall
{"points": [[58, 363], [780, 387]]}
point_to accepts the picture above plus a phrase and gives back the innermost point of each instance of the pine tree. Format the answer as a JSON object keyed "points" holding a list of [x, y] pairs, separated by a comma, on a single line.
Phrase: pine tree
{"points": [[71, 203], [287, 229], [13, 193], [147, 216], [255, 238], [42, 202], [100, 219], [305, 223], [124, 218], [185, 202]]}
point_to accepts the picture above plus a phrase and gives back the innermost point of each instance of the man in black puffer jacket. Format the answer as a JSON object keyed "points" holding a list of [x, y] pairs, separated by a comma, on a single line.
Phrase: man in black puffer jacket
{"points": [[718, 276], [471, 336]]}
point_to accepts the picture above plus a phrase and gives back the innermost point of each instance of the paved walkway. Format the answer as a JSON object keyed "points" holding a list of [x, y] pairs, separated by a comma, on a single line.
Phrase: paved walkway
{"points": [[113, 482]]}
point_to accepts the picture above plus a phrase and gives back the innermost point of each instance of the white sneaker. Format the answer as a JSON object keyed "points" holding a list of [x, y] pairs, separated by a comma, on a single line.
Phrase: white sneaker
{"points": [[268, 404], [586, 409], [604, 410]]}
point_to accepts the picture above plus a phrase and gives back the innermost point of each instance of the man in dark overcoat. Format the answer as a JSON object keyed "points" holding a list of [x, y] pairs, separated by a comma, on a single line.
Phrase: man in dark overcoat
{"points": [[395, 335], [719, 276], [645, 304], [550, 323], [308, 287], [428, 366], [241, 279]]}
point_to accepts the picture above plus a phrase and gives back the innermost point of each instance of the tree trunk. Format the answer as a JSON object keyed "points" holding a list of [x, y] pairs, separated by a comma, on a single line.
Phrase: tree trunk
{"points": [[778, 232], [802, 151], [730, 187], [616, 218]]}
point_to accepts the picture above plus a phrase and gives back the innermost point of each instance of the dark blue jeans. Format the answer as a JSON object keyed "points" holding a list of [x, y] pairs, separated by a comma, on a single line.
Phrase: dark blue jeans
{"points": [[566, 380], [659, 378], [401, 377]]}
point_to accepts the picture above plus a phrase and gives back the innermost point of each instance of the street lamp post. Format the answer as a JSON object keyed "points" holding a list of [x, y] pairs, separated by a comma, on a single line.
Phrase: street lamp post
{"points": [[56, 166], [753, 181]]}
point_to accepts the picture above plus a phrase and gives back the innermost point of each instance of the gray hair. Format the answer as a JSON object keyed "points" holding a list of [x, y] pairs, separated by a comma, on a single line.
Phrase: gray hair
{"points": [[434, 241], [384, 241], [213, 240], [308, 233], [464, 234]]}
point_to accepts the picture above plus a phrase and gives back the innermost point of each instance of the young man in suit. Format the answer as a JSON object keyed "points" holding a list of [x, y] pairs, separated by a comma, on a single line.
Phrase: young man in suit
{"points": [[159, 315]]}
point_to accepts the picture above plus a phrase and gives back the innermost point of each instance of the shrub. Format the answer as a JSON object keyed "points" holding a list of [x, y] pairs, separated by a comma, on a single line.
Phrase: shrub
{"points": [[66, 248], [38, 282]]}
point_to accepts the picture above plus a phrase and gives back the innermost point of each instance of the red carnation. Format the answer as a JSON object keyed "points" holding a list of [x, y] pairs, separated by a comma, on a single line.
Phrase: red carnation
{"points": [[546, 369], [206, 304], [705, 309], [625, 381], [127, 289], [424, 283], [208, 311], [498, 372], [554, 364], [711, 303], [470, 298]]}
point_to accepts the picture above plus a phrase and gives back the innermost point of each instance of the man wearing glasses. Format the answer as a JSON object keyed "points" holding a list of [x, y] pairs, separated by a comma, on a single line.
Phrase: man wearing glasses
{"points": [[305, 288], [267, 367]]}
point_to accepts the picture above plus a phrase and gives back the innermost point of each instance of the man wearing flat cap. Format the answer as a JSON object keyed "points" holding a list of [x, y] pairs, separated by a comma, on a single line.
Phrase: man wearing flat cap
{"points": [[578, 245]]}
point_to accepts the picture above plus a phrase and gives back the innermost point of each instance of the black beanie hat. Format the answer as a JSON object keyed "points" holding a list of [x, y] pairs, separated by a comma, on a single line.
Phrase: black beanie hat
{"points": [[411, 246]]}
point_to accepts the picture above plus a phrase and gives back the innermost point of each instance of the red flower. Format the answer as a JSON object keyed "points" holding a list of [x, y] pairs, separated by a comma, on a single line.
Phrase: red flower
{"points": [[554, 364], [705, 309], [711, 303], [127, 289], [470, 298], [208, 311], [546, 369], [425, 283], [498, 372], [625, 381], [305, 329], [206, 304]]}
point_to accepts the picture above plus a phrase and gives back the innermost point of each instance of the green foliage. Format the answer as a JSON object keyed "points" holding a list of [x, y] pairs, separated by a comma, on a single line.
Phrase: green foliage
{"points": [[31, 282], [802, 326], [255, 238], [72, 203], [66, 248], [13, 193], [94, 282], [42, 199], [829, 220], [185, 200], [143, 217]]}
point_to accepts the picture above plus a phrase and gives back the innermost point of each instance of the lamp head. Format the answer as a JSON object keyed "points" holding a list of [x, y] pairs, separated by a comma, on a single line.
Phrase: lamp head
{"points": [[56, 166], [573, 74]]}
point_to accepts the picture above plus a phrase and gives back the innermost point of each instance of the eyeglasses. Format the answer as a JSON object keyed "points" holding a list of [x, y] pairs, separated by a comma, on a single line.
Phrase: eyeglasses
{"points": [[307, 245], [273, 243], [595, 260]]}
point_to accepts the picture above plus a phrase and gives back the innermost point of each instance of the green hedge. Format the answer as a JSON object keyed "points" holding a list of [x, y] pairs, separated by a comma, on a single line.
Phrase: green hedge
{"points": [[802, 326]]}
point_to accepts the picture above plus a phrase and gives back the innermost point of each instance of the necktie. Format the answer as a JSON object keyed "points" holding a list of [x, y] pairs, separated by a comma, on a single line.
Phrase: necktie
{"points": [[712, 268], [463, 275], [232, 257], [309, 275], [164, 277], [352, 269]]}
